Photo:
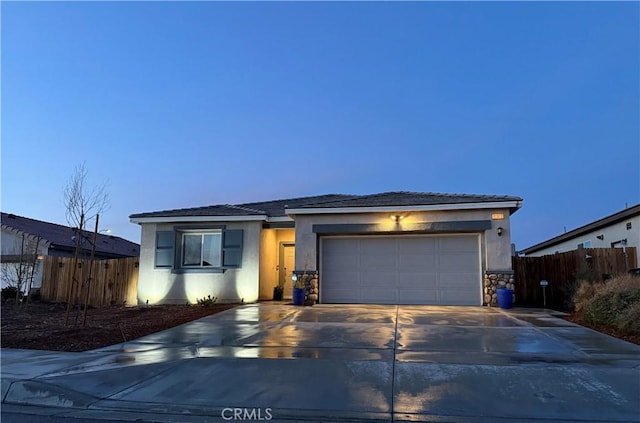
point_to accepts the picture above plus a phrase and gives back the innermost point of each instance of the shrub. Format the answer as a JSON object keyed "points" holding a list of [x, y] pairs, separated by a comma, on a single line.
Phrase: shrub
{"points": [[35, 294], [9, 293], [614, 303], [629, 320], [585, 293], [206, 301], [601, 309]]}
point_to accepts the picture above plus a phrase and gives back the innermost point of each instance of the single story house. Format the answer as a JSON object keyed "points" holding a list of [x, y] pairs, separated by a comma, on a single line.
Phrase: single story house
{"points": [[619, 230], [53, 240], [387, 248]]}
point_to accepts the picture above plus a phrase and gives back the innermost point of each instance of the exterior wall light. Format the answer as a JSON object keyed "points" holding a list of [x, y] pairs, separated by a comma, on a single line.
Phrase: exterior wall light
{"points": [[396, 217], [499, 230]]}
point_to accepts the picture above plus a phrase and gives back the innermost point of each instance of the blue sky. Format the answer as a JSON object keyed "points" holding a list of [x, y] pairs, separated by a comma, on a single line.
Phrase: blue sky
{"points": [[190, 104]]}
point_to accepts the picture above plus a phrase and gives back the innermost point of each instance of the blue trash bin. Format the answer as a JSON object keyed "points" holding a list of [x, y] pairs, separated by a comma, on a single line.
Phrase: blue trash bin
{"points": [[298, 296], [505, 298]]}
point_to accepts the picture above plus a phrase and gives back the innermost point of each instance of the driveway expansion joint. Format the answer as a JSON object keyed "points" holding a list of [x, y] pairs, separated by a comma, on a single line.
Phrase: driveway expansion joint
{"points": [[393, 363]]}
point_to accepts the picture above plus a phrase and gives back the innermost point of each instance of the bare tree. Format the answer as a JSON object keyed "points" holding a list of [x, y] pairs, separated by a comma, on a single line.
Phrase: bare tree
{"points": [[82, 201], [18, 268], [81, 205]]}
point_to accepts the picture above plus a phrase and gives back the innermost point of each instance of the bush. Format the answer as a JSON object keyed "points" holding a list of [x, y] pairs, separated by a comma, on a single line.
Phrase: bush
{"points": [[629, 320], [35, 294], [206, 301], [585, 293], [615, 303], [9, 293]]}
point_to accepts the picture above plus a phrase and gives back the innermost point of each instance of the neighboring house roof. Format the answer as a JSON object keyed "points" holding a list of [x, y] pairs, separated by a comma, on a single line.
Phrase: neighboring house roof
{"points": [[589, 227], [279, 208], [61, 237]]}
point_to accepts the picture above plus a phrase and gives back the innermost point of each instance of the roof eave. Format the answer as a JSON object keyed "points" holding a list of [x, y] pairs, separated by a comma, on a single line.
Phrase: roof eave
{"points": [[511, 205], [46, 242], [195, 219]]}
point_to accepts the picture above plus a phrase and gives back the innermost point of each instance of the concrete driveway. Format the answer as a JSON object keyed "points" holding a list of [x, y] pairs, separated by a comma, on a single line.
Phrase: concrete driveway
{"points": [[337, 363]]}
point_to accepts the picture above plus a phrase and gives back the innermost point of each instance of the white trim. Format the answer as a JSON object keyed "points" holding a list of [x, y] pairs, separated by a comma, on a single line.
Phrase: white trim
{"points": [[280, 219], [391, 209], [175, 219]]}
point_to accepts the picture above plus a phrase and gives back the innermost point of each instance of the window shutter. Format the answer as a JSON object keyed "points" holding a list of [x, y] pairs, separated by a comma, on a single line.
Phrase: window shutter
{"points": [[232, 248], [165, 246]]}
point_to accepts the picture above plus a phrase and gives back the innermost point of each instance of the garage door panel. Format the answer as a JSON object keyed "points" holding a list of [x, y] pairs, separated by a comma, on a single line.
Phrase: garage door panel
{"points": [[378, 278], [377, 260], [422, 261], [458, 244], [457, 301], [341, 246], [458, 278], [418, 245], [457, 297], [379, 296], [421, 296], [414, 279], [342, 262], [343, 296], [377, 246], [451, 261], [401, 270], [342, 278]]}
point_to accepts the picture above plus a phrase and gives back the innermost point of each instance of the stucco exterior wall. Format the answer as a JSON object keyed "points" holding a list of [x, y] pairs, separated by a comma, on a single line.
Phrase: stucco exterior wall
{"points": [[616, 232], [495, 251], [163, 286]]}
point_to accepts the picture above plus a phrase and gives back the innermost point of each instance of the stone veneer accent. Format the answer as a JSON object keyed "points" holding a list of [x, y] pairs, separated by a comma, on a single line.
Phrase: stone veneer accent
{"points": [[310, 280], [494, 279]]}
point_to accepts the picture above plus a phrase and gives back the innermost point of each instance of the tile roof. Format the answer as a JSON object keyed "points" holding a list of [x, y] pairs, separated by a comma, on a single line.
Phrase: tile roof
{"points": [[277, 208], [61, 236], [216, 210], [405, 198]]}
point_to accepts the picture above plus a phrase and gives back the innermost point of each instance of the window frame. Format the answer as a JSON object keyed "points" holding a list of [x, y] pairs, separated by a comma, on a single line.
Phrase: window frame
{"points": [[584, 244], [202, 233], [231, 246]]}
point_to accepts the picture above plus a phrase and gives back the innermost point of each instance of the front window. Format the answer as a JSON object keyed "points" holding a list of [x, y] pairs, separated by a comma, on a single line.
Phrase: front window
{"points": [[201, 249], [209, 250]]}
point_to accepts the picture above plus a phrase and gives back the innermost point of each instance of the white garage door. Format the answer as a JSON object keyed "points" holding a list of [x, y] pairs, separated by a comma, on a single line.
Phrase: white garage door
{"points": [[442, 270]]}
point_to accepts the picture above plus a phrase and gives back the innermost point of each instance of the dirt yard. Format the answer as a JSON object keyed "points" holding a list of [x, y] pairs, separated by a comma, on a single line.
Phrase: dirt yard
{"points": [[629, 337], [41, 326]]}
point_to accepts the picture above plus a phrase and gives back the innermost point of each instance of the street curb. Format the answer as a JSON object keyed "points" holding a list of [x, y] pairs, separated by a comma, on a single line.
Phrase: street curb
{"points": [[31, 392]]}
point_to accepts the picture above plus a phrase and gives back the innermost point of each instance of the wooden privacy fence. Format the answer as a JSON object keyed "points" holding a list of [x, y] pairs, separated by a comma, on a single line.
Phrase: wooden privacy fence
{"points": [[563, 270], [113, 282]]}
